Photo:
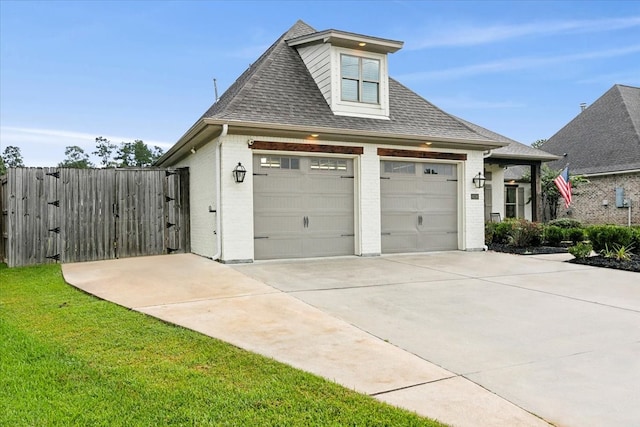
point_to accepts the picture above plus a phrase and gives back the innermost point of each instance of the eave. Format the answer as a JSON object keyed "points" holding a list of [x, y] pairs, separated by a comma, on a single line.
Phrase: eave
{"points": [[348, 40], [207, 129]]}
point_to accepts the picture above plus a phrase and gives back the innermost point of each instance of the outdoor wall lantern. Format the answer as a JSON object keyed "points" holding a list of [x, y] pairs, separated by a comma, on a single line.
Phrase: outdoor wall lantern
{"points": [[239, 172], [479, 180]]}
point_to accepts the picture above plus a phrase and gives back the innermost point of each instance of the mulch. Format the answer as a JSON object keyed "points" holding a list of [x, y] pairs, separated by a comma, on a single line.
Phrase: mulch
{"points": [[594, 261]]}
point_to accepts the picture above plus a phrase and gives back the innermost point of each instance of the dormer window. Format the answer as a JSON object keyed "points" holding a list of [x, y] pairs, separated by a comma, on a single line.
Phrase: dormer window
{"points": [[360, 79], [351, 70]]}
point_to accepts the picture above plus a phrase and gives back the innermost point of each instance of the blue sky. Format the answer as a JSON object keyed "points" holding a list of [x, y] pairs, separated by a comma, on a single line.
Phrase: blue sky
{"points": [[72, 71]]}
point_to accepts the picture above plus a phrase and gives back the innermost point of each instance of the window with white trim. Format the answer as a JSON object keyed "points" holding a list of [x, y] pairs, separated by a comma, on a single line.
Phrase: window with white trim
{"points": [[360, 79], [280, 162], [328, 164]]}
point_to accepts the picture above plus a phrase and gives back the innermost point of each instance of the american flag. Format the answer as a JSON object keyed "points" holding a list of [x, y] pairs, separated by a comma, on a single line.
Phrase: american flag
{"points": [[564, 186]]}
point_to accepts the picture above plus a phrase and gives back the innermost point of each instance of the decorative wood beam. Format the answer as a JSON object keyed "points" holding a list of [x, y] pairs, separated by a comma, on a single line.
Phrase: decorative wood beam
{"points": [[392, 152], [308, 148]]}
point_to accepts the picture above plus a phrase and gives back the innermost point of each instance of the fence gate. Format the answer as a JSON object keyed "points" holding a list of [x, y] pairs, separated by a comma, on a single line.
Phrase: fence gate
{"points": [[72, 215]]}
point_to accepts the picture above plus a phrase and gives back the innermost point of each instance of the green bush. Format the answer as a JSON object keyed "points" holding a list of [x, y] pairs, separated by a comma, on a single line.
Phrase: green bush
{"points": [[635, 241], [581, 250], [553, 235], [525, 233], [603, 236], [502, 231], [489, 232], [574, 234], [566, 223]]}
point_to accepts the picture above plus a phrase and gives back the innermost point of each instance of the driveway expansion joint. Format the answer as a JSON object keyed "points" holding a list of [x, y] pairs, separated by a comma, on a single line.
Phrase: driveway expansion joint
{"points": [[380, 393]]}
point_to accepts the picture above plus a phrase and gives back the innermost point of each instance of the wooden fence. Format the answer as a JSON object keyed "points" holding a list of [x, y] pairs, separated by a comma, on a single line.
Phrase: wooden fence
{"points": [[72, 215]]}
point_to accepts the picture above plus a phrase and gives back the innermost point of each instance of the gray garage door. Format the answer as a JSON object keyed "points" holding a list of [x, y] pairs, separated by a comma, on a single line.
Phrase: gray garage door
{"points": [[303, 206], [419, 203]]}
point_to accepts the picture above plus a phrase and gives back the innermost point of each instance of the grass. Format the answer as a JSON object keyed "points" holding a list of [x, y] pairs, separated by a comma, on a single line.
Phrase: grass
{"points": [[67, 358]]}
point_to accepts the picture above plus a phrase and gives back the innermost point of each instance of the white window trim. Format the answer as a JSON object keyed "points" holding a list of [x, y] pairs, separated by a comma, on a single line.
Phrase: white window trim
{"points": [[352, 108]]}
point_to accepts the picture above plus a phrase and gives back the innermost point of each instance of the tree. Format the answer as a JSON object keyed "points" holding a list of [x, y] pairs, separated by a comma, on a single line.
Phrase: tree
{"points": [[76, 158], [104, 150], [137, 154], [539, 143], [12, 157], [550, 194]]}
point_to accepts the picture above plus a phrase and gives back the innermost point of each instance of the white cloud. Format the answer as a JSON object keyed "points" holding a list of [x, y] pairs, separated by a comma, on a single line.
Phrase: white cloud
{"points": [[512, 64], [45, 147], [473, 36]]}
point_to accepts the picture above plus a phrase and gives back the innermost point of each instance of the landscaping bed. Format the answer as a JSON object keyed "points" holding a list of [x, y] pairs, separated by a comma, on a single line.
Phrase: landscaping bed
{"points": [[528, 250], [600, 261], [616, 246]]}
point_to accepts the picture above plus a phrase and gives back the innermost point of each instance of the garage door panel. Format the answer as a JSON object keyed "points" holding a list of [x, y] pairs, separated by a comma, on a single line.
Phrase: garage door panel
{"points": [[329, 203], [309, 209], [396, 222], [329, 225], [442, 221], [270, 182], [275, 225], [277, 203], [419, 210], [400, 242], [275, 248], [327, 246], [439, 241], [394, 203]]}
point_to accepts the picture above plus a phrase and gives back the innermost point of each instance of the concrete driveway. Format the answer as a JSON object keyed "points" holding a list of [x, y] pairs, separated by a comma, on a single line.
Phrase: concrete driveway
{"points": [[472, 339], [560, 340]]}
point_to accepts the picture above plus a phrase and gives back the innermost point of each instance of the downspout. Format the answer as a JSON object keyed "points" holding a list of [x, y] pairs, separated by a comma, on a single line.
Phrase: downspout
{"points": [[225, 129]]}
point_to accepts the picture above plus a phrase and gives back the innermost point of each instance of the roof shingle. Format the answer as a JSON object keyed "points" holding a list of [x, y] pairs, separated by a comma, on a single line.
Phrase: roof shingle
{"points": [[605, 137], [279, 89]]}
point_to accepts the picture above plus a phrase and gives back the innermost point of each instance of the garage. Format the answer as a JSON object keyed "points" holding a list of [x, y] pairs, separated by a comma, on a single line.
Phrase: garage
{"points": [[303, 206], [419, 206]]}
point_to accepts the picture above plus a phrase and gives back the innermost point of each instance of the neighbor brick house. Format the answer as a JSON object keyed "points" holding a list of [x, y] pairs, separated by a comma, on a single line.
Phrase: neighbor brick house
{"points": [[602, 144], [316, 151]]}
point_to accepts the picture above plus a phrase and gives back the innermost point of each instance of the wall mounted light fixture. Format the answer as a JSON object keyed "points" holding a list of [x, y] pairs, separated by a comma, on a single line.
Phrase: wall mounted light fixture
{"points": [[239, 173], [479, 180]]}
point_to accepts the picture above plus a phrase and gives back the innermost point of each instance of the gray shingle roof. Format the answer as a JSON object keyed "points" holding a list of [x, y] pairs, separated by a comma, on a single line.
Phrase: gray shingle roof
{"points": [[603, 138], [515, 149], [278, 89]]}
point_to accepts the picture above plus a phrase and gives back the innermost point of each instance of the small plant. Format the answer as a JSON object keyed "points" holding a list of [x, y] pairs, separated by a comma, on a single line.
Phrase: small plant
{"points": [[581, 250], [617, 252]]}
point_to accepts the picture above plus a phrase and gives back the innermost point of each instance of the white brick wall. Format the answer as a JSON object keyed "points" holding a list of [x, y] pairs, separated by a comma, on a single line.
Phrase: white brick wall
{"points": [[237, 201], [202, 194], [497, 189], [473, 227], [369, 204]]}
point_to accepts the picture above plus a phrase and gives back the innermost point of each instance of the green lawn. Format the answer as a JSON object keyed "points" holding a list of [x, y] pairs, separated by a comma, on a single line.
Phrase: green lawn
{"points": [[67, 358]]}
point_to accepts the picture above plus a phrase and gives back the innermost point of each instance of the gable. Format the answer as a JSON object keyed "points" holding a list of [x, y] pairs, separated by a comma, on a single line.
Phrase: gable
{"points": [[603, 138]]}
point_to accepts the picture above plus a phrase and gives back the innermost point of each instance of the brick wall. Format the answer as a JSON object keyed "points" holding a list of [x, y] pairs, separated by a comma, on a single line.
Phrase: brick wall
{"points": [[202, 195], [588, 200]]}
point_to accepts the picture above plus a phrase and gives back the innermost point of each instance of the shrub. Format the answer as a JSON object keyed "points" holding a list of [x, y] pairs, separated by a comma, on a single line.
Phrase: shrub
{"points": [[489, 232], [566, 223], [581, 250], [574, 234], [553, 235], [502, 231], [635, 240], [603, 236], [525, 233]]}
